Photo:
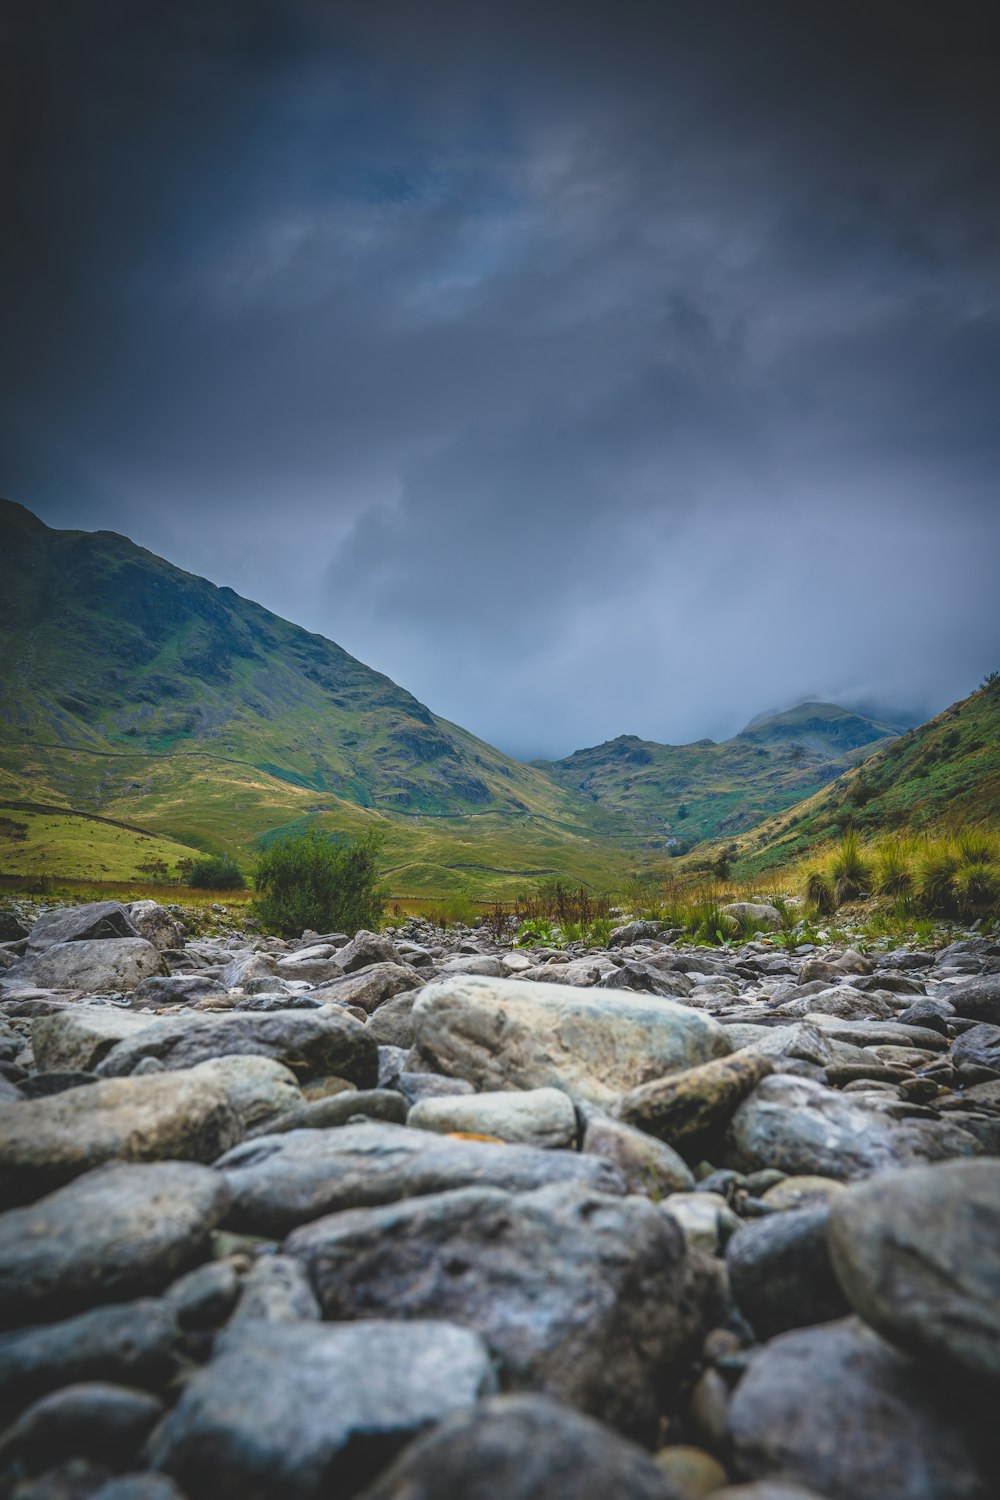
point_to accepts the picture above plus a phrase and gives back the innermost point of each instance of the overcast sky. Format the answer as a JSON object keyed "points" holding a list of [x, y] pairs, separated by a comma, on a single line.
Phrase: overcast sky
{"points": [[590, 369]]}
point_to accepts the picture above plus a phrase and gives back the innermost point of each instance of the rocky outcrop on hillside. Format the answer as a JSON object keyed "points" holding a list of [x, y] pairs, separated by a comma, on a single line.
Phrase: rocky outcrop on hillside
{"points": [[415, 1214]]}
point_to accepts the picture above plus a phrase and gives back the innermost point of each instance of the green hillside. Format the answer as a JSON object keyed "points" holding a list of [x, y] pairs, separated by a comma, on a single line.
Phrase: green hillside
{"points": [[134, 690], [941, 776], [677, 795]]}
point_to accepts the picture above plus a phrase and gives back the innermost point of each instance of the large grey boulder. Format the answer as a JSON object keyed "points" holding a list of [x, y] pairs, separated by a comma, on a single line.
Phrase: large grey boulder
{"points": [[94, 1420], [522, 1448], [979, 1047], [780, 1273], [133, 1343], [391, 1024], [47, 1142], [918, 1254], [79, 1038], [153, 922], [121, 1231], [761, 916], [536, 1117], [306, 1411], [835, 1409], [279, 1181], [175, 989], [97, 965], [577, 1293], [260, 1091], [976, 999], [803, 1127], [74, 924], [366, 948], [311, 1043], [594, 1044]]}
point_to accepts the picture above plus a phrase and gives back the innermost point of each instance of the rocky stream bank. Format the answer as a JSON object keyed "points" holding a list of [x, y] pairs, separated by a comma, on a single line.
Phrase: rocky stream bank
{"points": [[413, 1215]]}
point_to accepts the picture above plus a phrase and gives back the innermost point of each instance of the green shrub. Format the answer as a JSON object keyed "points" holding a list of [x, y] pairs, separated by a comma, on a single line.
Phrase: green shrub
{"points": [[537, 930], [216, 872], [892, 872], [849, 870], [977, 889], [819, 893], [312, 881], [936, 871]]}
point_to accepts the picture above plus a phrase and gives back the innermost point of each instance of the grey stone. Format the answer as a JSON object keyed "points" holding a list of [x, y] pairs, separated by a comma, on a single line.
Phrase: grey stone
{"points": [[119, 1232], [522, 1448], [98, 965], [391, 1024], [802, 1127], [535, 1117], [153, 922], [73, 924], [134, 1344], [260, 1091], [337, 1109], [689, 1105], [780, 1273], [94, 1420], [310, 1043], [366, 948], [370, 988], [594, 1044], [918, 1254], [979, 1047], [44, 1143], [300, 1411], [83, 1036], [976, 999], [415, 1087], [763, 916], [576, 1292], [647, 1165], [836, 1409], [279, 1181], [141, 1486], [204, 1297], [174, 989]]}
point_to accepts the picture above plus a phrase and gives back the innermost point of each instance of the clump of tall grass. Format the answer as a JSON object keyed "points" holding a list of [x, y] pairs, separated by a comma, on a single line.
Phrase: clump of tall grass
{"points": [[893, 876], [850, 871], [819, 893], [705, 920], [937, 865]]}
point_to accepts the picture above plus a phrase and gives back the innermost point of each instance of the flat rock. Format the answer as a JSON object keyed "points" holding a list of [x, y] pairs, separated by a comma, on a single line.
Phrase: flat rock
{"points": [[763, 916], [976, 999], [92, 1420], [836, 1409], [303, 1411], [174, 989], [80, 1038], [918, 1254], [780, 1272], [337, 1109], [594, 1044], [74, 924], [133, 1343], [535, 1117], [696, 1101], [260, 1091], [310, 1043], [279, 1181], [44, 1143], [522, 1448], [97, 965], [802, 1127], [576, 1292], [119, 1232], [979, 1047]]}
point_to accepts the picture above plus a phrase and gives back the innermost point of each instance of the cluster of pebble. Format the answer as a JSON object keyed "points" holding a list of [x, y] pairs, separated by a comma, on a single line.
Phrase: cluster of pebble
{"points": [[412, 1215]]}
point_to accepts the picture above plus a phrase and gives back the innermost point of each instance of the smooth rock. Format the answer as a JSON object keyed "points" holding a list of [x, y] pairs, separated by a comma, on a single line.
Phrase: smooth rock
{"points": [[979, 1047], [204, 1297], [918, 1254], [780, 1273], [370, 988], [691, 1104], [310, 1044], [279, 1181], [576, 1292], [94, 1420], [140, 1486], [364, 949], [338, 1109], [522, 1448], [647, 1165], [119, 1232], [763, 916], [536, 1117], [259, 1089], [976, 999], [45, 1143], [510, 1033], [706, 1219], [391, 1025], [174, 989], [802, 1192], [276, 1290], [303, 1411], [80, 1038], [133, 1343], [835, 1409]]}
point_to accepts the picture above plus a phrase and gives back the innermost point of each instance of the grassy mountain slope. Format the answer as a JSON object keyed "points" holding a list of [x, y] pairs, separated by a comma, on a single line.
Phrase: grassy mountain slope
{"points": [[135, 690], [943, 775], [666, 793]]}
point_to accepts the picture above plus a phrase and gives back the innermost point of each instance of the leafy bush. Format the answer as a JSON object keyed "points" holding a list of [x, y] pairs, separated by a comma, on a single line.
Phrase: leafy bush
{"points": [[216, 872], [536, 930], [312, 881]]}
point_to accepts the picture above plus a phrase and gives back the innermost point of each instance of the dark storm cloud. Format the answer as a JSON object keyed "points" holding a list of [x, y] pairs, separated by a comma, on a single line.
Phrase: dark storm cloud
{"points": [[589, 369]]}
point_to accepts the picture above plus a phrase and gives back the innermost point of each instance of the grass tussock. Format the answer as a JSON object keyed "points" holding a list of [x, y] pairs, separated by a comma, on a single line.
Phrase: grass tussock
{"points": [[955, 877]]}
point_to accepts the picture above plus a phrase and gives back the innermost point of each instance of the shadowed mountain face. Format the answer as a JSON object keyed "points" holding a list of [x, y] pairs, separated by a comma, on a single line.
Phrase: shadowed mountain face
{"points": [[136, 691], [690, 792]]}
